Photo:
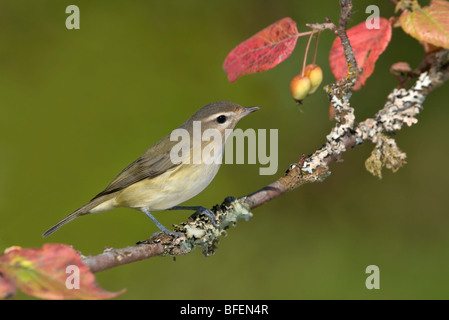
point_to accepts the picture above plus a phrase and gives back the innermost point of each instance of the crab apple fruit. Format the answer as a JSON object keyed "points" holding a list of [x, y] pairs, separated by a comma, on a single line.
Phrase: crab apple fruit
{"points": [[315, 74], [300, 87]]}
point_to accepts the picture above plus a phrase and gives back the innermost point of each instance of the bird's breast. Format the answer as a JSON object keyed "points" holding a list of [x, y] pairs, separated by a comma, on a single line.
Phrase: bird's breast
{"points": [[168, 189]]}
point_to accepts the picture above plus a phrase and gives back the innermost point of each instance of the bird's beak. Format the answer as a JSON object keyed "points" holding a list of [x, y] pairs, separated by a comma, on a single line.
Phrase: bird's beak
{"points": [[248, 110]]}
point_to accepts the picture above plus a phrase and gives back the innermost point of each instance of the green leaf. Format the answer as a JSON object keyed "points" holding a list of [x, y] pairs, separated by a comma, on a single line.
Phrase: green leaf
{"points": [[428, 24]]}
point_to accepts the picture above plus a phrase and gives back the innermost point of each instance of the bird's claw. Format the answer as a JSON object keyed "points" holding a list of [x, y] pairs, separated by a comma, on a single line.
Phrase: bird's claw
{"points": [[208, 213]]}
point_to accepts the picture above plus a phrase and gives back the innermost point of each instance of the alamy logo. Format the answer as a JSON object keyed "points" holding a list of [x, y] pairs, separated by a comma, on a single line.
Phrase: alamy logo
{"points": [[372, 22], [373, 280], [72, 21], [207, 147], [73, 278]]}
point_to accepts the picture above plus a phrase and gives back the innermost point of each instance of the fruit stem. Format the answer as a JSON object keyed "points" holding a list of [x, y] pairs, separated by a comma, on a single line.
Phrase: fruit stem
{"points": [[316, 46], [307, 51]]}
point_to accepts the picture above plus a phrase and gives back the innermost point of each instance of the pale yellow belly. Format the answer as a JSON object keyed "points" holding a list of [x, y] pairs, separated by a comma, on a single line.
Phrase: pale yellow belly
{"points": [[169, 189]]}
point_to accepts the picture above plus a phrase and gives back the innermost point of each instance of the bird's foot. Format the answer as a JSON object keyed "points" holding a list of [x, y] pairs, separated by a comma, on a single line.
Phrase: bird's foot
{"points": [[199, 210], [169, 232], [208, 213], [161, 227]]}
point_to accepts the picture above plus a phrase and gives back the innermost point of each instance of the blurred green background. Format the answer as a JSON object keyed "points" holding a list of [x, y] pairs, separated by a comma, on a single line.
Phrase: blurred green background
{"points": [[77, 106]]}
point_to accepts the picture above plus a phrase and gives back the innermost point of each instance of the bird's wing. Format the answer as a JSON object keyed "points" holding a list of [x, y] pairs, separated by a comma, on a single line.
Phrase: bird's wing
{"points": [[152, 163]]}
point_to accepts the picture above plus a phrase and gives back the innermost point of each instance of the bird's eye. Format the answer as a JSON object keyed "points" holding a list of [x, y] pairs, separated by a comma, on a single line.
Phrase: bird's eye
{"points": [[221, 119]]}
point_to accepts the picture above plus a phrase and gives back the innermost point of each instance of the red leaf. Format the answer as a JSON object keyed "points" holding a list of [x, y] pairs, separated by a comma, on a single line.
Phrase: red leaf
{"points": [[52, 272], [367, 44], [7, 288], [263, 51]]}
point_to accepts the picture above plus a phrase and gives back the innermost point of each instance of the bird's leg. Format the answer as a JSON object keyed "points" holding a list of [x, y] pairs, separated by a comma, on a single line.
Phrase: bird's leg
{"points": [[199, 210], [159, 225]]}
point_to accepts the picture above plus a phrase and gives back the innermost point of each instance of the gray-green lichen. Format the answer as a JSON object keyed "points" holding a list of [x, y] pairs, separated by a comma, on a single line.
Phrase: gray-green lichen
{"points": [[401, 109], [200, 232]]}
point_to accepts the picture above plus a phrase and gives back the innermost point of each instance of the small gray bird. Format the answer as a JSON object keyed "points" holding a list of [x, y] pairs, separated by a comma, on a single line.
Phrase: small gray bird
{"points": [[155, 182]]}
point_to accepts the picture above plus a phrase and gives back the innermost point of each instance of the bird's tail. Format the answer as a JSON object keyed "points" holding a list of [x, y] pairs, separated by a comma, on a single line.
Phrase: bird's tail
{"points": [[75, 214]]}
